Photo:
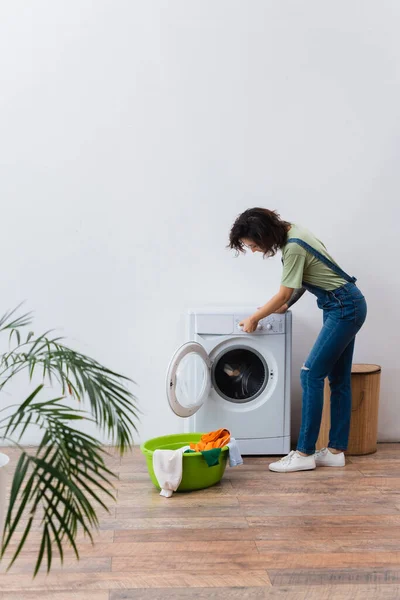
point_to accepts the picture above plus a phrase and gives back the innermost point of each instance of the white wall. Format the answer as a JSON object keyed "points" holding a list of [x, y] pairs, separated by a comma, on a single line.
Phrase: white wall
{"points": [[134, 131]]}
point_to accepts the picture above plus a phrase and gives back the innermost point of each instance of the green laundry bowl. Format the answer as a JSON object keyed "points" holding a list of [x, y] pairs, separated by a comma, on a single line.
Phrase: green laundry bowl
{"points": [[196, 474]]}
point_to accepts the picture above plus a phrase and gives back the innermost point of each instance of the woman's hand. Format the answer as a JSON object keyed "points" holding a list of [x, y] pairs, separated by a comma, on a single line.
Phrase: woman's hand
{"points": [[249, 325]]}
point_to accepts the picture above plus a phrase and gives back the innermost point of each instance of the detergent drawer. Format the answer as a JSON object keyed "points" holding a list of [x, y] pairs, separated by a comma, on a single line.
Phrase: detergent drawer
{"points": [[214, 324]]}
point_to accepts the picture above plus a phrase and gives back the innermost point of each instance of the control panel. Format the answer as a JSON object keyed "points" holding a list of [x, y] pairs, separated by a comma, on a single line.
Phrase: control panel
{"points": [[270, 325], [224, 323]]}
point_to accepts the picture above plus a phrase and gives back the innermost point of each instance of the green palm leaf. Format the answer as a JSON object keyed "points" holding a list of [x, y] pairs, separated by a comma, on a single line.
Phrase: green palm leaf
{"points": [[59, 482]]}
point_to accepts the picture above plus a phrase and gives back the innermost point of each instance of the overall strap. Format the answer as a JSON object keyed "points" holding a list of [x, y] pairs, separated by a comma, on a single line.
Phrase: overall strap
{"points": [[323, 259]]}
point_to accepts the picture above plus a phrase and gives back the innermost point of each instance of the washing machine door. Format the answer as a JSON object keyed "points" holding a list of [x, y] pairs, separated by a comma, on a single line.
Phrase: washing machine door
{"points": [[188, 379]]}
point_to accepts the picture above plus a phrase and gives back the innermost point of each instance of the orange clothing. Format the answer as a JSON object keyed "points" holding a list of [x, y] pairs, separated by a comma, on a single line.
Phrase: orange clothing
{"points": [[214, 439]]}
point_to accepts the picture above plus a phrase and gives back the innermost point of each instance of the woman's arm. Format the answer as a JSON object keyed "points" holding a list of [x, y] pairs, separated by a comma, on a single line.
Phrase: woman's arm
{"points": [[282, 297], [296, 295]]}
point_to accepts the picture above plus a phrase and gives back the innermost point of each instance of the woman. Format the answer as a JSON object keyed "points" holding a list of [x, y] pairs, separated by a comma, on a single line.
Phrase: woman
{"points": [[308, 266]]}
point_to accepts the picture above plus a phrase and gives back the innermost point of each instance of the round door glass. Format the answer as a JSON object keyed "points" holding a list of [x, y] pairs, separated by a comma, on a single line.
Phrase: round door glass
{"points": [[191, 381], [240, 375]]}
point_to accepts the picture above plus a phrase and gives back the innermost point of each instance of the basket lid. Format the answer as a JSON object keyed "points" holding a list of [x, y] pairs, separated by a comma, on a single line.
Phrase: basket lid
{"points": [[362, 369]]}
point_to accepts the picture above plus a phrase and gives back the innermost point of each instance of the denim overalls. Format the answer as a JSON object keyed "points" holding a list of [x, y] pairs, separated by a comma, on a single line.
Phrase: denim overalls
{"points": [[344, 312]]}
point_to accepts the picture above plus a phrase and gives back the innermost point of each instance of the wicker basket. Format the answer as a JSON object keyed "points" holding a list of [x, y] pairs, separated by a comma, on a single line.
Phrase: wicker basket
{"points": [[365, 386]]}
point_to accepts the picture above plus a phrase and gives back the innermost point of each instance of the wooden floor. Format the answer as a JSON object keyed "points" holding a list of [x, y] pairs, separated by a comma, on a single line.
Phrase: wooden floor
{"points": [[328, 534]]}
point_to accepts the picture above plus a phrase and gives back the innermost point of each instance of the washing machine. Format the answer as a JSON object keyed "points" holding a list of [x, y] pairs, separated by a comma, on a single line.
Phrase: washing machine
{"points": [[223, 377]]}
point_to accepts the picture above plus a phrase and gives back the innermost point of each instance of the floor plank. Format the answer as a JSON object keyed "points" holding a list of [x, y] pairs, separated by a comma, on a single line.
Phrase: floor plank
{"points": [[343, 592], [252, 561], [70, 564], [203, 530], [290, 577], [166, 524], [54, 595], [115, 580], [312, 521]]}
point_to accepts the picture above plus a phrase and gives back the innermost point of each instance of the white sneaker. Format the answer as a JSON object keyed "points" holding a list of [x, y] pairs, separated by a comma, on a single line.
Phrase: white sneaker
{"points": [[293, 462], [326, 458]]}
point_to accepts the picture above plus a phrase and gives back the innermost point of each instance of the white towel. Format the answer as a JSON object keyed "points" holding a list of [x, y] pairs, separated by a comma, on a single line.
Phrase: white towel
{"points": [[235, 458], [167, 465]]}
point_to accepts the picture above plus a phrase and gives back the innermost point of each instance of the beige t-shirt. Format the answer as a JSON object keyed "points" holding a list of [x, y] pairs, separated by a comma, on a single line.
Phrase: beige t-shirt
{"points": [[299, 265]]}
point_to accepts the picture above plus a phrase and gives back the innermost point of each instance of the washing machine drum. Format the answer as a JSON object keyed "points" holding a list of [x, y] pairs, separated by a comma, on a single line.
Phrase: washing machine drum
{"points": [[240, 374]]}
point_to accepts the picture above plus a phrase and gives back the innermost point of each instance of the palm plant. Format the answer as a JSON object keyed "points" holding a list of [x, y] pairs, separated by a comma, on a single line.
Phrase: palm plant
{"points": [[59, 481]]}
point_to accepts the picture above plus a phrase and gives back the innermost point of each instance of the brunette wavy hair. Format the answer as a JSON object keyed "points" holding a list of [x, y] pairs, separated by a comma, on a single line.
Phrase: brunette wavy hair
{"points": [[264, 227]]}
